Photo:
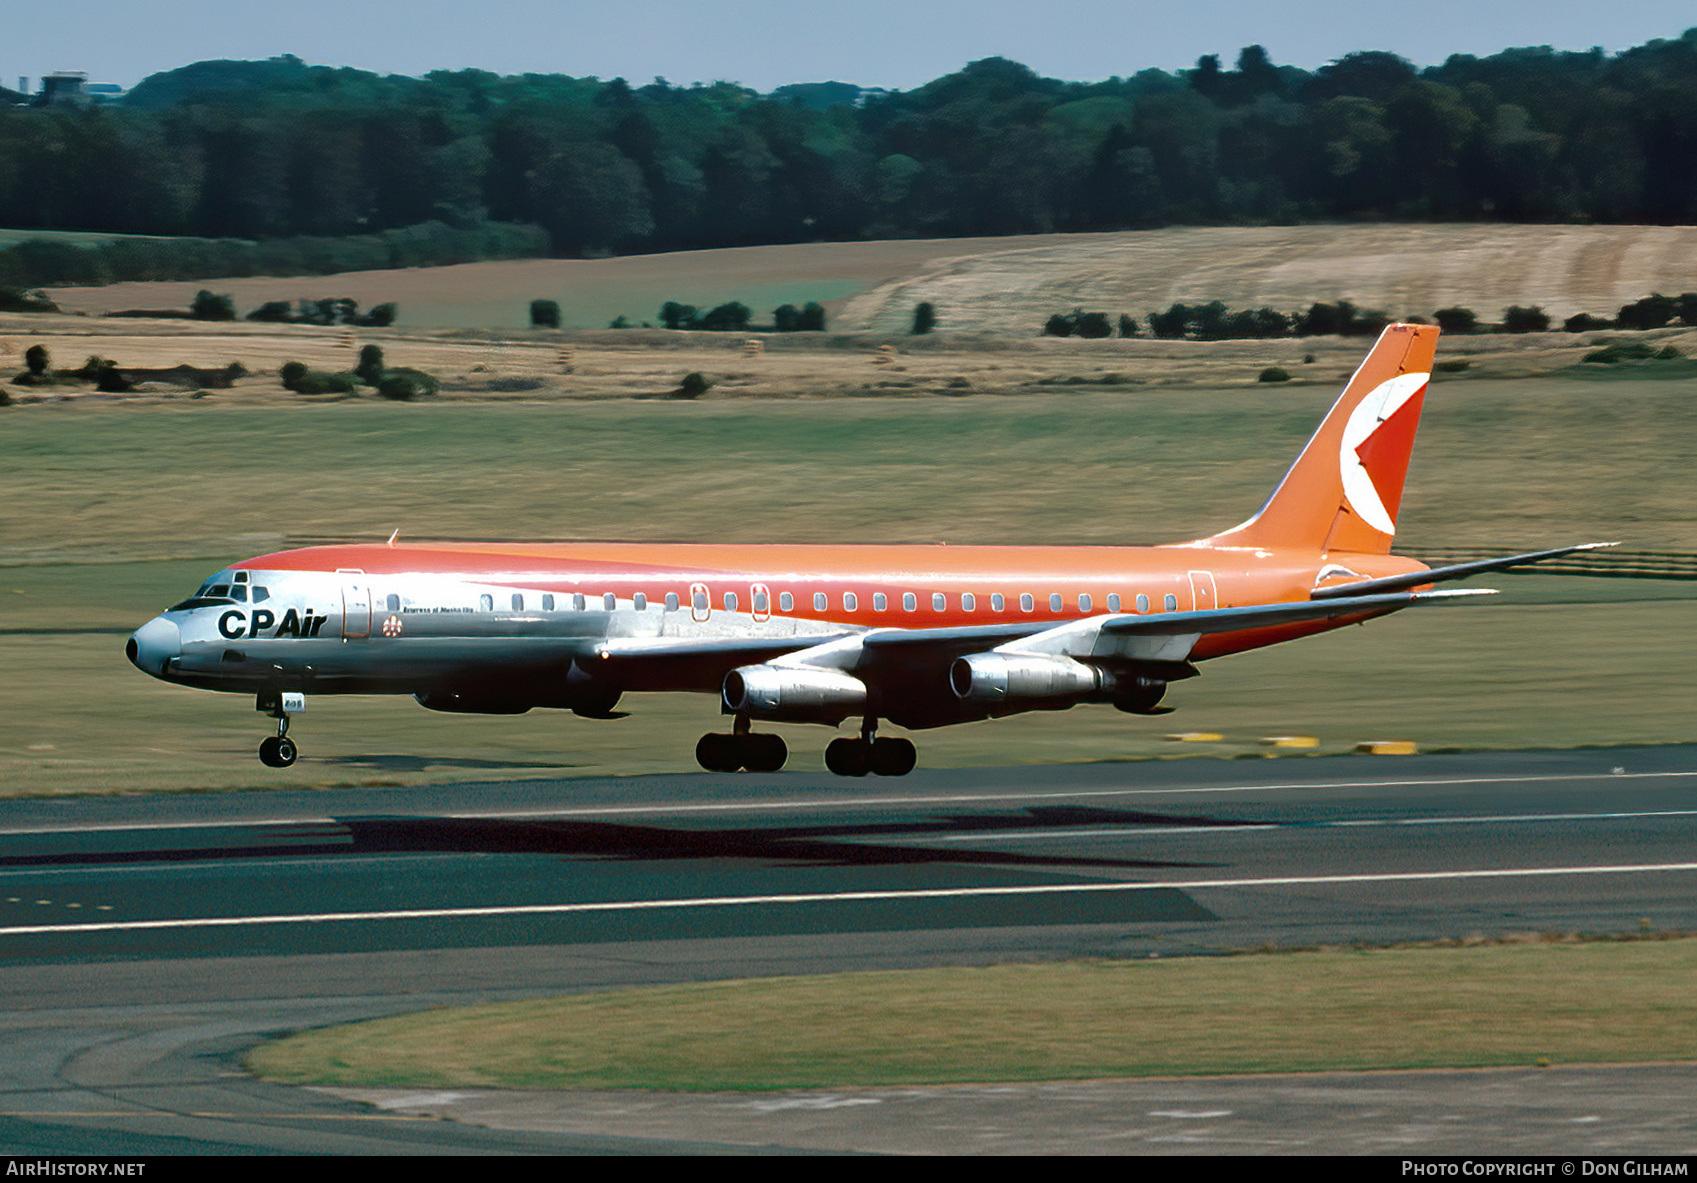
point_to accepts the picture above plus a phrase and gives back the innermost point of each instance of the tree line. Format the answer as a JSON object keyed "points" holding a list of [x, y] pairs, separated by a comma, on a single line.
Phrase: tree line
{"points": [[278, 150]]}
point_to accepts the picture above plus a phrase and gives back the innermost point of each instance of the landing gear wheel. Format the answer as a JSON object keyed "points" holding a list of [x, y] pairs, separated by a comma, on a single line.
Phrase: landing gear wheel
{"points": [[893, 757], [718, 753], [847, 757], [764, 753], [277, 751]]}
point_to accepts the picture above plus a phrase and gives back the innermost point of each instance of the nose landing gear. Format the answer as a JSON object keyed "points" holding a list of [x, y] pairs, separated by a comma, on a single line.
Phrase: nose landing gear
{"points": [[279, 751]]}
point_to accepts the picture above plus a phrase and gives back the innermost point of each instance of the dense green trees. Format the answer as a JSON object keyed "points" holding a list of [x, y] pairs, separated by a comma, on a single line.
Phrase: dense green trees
{"points": [[336, 168]]}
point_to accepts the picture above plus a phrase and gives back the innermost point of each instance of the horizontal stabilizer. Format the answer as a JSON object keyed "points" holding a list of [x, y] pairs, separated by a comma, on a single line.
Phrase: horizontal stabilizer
{"points": [[1442, 574]]}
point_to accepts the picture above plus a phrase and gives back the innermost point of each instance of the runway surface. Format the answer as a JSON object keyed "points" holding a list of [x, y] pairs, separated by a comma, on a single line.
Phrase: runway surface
{"points": [[146, 942]]}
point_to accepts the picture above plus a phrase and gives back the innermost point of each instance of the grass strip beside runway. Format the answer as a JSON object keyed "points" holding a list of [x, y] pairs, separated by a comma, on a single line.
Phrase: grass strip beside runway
{"points": [[1487, 1005]]}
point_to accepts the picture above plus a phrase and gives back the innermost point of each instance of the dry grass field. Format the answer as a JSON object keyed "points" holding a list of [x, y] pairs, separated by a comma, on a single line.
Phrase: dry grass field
{"points": [[1012, 285]]}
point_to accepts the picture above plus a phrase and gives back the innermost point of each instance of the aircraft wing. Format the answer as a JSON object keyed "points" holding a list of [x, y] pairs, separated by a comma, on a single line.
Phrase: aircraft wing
{"points": [[1441, 574], [1156, 636]]}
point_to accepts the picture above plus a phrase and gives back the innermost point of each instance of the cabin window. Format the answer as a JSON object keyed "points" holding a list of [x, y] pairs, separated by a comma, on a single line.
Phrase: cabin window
{"points": [[609, 602], [639, 601], [761, 603], [786, 602], [1026, 602], [730, 601], [239, 594], [1172, 602], [518, 602], [968, 602], [997, 602], [850, 600], [393, 602], [671, 601], [819, 602], [698, 601], [222, 591], [486, 603], [909, 601], [547, 603], [1113, 601], [578, 602], [241, 576], [1142, 602], [939, 601], [261, 594], [879, 601], [1084, 602], [1054, 601]]}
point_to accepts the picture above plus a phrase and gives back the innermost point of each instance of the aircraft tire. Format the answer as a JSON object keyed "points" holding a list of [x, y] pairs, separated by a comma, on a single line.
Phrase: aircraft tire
{"points": [[846, 757], [893, 757], [764, 752], [717, 752]]}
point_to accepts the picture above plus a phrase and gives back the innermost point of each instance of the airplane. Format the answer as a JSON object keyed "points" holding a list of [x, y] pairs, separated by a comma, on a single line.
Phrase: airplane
{"points": [[918, 636]]}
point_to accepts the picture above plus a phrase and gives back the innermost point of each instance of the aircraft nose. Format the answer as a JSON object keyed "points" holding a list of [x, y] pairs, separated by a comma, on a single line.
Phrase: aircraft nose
{"points": [[153, 645]]}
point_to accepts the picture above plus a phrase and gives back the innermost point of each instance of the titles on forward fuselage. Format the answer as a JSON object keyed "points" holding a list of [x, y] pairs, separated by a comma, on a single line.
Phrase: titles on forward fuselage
{"points": [[234, 624]]}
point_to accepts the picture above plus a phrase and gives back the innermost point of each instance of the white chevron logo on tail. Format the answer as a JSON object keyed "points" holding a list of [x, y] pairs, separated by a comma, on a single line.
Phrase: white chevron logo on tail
{"points": [[1385, 400]]}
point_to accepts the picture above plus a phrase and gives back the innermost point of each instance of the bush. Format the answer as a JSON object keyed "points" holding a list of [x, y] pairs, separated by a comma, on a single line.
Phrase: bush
{"points": [[727, 318], [693, 385], [298, 378], [404, 384], [677, 316], [370, 368], [1652, 312], [37, 359], [1273, 374], [1456, 321], [1093, 325], [924, 319], [786, 318], [207, 306], [812, 318], [380, 317], [1621, 351], [272, 312], [1524, 320], [544, 314], [1128, 326], [1584, 322], [1058, 326], [292, 373]]}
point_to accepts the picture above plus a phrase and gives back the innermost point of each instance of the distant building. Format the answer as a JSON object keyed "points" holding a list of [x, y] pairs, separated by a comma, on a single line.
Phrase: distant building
{"points": [[71, 88]]}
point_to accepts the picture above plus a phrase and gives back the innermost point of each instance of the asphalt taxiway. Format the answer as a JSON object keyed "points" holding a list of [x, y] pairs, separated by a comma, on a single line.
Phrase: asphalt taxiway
{"points": [[146, 942]]}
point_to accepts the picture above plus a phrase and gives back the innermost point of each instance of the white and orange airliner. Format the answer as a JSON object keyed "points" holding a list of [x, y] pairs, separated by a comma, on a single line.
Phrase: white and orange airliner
{"points": [[920, 636]]}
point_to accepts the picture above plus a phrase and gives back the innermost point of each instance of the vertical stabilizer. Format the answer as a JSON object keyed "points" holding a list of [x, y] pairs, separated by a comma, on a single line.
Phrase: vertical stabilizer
{"points": [[1344, 490]]}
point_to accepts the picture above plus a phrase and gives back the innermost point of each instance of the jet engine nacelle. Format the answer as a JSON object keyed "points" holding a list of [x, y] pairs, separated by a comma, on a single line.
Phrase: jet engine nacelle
{"points": [[1001, 677], [798, 694]]}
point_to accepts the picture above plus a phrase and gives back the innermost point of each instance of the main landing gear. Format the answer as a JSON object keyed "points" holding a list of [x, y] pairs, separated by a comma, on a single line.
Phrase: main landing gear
{"points": [[881, 757], [757, 752], [279, 751]]}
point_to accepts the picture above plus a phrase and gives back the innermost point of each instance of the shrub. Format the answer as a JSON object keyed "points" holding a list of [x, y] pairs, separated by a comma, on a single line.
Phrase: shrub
{"points": [[1128, 326], [1652, 312], [1059, 326], [1584, 322], [677, 316], [207, 306], [1456, 321], [786, 318], [292, 373], [1524, 320], [380, 317], [727, 318], [924, 319], [812, 318], [405, 384], [544, 314], [1093, 325], [693, 385], [36, 358], [1621, 351], [272, 312], [1274, 374], [370, 368]]}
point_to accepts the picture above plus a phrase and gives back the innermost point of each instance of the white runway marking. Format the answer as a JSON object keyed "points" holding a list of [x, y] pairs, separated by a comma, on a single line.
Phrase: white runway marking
{"points": [[830, 897]]}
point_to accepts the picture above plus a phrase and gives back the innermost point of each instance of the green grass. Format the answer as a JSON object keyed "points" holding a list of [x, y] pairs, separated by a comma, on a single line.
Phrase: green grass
{"points": [[1400, 1008], [121, 509]]}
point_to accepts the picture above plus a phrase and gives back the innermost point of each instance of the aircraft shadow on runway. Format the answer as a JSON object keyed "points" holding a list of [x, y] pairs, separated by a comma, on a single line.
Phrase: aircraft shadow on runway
{"points": [[823, 845]]}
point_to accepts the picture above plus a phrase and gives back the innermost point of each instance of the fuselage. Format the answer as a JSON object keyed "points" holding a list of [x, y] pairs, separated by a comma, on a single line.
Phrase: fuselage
{"points": [[501, 626]]}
